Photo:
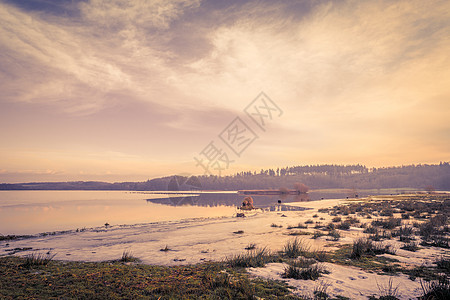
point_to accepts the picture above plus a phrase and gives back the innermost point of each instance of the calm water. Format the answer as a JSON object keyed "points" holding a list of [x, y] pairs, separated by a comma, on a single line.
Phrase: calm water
{"points": [[30, 212]]}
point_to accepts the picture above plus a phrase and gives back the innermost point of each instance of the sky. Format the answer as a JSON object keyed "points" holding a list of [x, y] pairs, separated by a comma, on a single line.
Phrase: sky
{"points": [[132, 90]]}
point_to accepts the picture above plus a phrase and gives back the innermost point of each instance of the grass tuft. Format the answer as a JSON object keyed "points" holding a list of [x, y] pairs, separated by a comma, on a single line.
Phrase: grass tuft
{"points": [[294, 248], [317, 234], [411, 246], [344, 225], [389, 223], [127, 256], [335, 235], [362, 247], [444, 265], [254, 258], [387, 292], [310, 273], [336, 219], [38, 259], [436, 290]]}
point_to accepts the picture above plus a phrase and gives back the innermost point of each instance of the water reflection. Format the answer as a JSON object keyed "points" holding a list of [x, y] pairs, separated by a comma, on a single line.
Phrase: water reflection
{"points": [[284, 208], [263, 201], [231, 199]]}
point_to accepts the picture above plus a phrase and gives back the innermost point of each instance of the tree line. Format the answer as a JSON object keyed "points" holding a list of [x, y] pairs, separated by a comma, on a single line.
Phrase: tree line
{"points": [[422, 176]]}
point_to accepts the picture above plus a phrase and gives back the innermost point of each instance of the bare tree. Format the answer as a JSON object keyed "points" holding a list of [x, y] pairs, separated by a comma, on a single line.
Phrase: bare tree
{"points": [[301, 188]]}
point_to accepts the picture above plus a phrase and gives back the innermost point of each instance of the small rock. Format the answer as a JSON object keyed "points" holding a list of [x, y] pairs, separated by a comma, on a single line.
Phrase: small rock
{"points": [[179, 259]]}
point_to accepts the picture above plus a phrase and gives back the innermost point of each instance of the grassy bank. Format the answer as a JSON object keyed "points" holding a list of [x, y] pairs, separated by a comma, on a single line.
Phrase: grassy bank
{"points": [[119, 280]]}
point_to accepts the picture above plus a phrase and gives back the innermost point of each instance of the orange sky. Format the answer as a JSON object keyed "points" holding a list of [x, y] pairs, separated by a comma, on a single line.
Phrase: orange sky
{"points": [[117, 91]]}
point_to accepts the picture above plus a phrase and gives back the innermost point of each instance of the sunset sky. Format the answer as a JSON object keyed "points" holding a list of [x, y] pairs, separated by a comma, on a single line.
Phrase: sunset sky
{"points": [[119, 91]]}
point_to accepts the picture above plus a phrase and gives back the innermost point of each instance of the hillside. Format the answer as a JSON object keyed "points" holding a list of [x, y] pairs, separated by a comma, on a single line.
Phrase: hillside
{"points": [[434, 176]]}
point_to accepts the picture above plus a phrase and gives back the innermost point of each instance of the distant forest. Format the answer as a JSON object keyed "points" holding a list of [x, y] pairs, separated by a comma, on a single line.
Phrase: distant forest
{"points": [[422, 176]]}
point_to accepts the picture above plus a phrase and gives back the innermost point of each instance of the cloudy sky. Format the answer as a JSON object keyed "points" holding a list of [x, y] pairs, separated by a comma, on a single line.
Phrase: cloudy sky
{"points": [[130, 90]]}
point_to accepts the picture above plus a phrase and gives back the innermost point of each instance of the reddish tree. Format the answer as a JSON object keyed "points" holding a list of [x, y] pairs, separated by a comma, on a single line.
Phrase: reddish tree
{"points": [[301, 188]]}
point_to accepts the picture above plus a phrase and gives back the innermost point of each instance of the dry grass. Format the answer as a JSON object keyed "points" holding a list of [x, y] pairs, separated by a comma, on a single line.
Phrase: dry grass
{"points": [[38, 259], [295, 247], [127, 256]]}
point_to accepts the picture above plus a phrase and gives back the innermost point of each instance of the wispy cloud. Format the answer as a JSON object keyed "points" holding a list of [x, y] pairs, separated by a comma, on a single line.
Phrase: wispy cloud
{"points": [[370, 74]]}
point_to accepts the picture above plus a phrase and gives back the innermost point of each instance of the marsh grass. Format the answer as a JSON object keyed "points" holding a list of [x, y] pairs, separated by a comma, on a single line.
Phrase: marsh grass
{"points": [[299, 232], [406, 238], [127, 256], [436, 241], [411, 246], [380, 235], [362, 247], [38, 259], [334, 235], [318, 225], [435, 290], [253, 258], [312, 272], [320, 255], [389, 223], [371, 230], [403, 231], [444, 265], [352, 220], [294, 248], [330, 226], [343, 225], [320, 292], [299, 225], [301, 262], [435, 232], [336, 219], [387, 292], [405, 216], [317, 234], [424, 272]]}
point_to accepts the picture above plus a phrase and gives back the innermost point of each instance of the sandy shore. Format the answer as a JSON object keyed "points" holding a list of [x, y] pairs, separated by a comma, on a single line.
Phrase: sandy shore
{"points": [[190, 241]]}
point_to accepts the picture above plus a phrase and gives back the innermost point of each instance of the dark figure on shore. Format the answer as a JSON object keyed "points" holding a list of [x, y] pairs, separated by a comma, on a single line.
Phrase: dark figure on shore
{"points": [[247, 203]]}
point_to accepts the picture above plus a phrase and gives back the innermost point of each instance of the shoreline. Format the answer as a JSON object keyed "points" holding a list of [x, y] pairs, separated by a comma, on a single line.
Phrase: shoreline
{"points": [[216, 240], [192, 240]]}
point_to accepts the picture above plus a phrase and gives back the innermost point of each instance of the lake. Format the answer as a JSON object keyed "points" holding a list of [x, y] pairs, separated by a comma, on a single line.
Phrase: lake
{"points": [[31, 212]]}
